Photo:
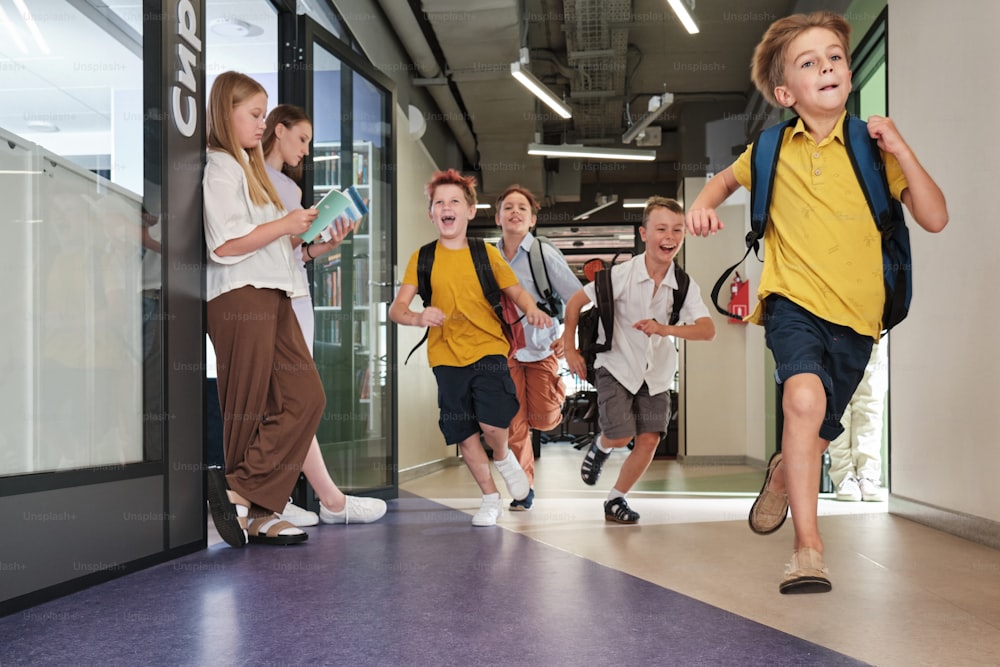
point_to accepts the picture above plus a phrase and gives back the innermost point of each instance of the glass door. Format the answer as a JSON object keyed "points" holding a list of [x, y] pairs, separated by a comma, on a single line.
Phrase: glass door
{"points": [[350, 105]]}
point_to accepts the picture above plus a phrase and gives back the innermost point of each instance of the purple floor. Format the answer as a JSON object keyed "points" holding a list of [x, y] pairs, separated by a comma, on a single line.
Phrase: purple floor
{"points": [[421, 587]]}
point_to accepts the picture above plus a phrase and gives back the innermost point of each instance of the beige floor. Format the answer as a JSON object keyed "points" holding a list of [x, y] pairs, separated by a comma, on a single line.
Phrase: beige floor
{"points": [[904, 594]]}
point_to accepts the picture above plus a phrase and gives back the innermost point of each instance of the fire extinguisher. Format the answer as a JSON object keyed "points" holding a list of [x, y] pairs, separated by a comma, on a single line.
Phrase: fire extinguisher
{"points": [[739, 300]]}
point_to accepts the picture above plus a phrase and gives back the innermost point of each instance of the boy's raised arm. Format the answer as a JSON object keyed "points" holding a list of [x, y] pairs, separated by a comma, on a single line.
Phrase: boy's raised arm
{"points": [[701, 218], [922, 195]]}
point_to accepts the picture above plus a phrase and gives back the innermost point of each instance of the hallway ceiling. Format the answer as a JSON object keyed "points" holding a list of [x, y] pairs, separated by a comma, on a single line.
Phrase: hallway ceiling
{"points": [[606, 59]]}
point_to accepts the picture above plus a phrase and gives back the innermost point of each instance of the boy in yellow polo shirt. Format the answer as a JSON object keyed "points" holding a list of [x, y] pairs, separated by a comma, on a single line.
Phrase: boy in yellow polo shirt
{"points": [[821, 292], [466, 346]]}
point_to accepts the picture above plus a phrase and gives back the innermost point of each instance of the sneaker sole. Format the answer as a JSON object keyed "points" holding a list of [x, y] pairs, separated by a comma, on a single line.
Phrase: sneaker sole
{"points": [[805, 585], [614, 519]]}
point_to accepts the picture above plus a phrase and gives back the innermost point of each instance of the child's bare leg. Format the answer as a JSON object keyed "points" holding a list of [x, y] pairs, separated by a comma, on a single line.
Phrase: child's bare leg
{"points": [[496, 438], [638, 461], [478, 463], [804, 406]]}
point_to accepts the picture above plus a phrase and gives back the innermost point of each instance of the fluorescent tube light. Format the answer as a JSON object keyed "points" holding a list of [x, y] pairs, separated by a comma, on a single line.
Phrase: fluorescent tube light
{"points": [[540, 90], [29, 21], [602, 204], [482, 205], [683, 15], [580, 151], [634, 203], [640, 126]]}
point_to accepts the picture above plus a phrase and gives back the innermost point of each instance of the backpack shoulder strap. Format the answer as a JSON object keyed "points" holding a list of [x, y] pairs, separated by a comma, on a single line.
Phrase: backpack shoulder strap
{"points": [[539, 271], [604, 292], [484, 271], [680, 294], [869, 169], [425, 262], [763, 164]]}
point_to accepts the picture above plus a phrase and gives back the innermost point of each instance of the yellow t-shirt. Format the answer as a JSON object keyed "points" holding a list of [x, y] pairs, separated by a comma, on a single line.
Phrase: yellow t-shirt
{"points": [[471, 330], [822, 248]]}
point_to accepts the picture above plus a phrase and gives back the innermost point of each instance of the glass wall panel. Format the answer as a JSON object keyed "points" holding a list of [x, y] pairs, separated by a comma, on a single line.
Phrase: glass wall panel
{"points": [[351, 133], [73, 181]]}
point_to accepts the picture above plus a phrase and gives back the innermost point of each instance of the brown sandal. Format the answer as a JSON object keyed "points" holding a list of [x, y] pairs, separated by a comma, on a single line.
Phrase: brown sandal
{"points": [[229, 509], [276, 531]]}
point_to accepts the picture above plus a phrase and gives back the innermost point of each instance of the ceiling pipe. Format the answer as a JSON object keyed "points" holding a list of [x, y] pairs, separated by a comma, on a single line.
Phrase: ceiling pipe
{"points": [[410, 34]]}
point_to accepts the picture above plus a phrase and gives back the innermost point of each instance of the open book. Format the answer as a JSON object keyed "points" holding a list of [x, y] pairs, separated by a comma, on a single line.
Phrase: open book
{"points": [[335, 204]]}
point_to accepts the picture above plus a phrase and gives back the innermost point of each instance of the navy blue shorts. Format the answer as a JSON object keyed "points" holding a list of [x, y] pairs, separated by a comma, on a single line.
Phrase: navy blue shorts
{"points": [[482, 392], [804, 343]]}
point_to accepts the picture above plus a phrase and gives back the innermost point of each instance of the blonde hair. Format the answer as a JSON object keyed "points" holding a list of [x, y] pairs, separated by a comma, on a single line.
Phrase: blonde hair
{"points": [[767, 69], [656, 202], [229, 90]]}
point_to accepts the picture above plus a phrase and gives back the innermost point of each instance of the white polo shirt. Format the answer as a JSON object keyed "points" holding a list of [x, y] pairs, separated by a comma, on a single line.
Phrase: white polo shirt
{"points": [[634, 357], [231, 214]]}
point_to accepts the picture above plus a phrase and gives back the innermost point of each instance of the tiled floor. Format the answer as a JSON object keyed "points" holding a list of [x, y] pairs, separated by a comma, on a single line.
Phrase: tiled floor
{"points": [[904, 594], [689, 585]]}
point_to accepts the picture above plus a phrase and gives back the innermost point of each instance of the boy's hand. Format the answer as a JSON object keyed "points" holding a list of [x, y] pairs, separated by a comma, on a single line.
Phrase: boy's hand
{"points": [[650, 327], [884, 131], [557, 347], [703, 222], [575, 363], [431, 317], [538, 318]]}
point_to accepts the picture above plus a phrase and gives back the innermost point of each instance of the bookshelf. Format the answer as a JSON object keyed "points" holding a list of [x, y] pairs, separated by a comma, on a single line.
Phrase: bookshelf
{"points": [[344, 301]]}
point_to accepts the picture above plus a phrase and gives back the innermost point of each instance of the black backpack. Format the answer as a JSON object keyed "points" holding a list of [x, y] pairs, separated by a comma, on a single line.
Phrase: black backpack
{"points": [[887, 212], [602, 316], [551, 302], [503, 307]]}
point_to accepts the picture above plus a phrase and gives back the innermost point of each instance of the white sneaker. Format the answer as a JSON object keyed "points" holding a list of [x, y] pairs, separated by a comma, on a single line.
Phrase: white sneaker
{"points": [[849, 489], [298, 516], [356, 510], [513, 476], [488, 512], [871, 490]]}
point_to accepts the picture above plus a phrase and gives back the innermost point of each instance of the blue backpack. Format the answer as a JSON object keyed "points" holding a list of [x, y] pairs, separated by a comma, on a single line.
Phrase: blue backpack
{"points": [[888, 213]]}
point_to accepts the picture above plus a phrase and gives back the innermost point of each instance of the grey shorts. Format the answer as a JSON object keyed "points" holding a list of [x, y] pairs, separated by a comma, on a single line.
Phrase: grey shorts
{"points": [[622, 414]]}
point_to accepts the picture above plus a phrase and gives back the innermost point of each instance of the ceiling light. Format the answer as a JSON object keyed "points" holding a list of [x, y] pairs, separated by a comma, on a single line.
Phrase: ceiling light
{"points": [[602, 203], [42, 126], [683, 15], [634, 203], [578, 150], [325, 158], [640, 126], [29, 21], [12, 31], [539, 89], [230, 27], [482, 205]]}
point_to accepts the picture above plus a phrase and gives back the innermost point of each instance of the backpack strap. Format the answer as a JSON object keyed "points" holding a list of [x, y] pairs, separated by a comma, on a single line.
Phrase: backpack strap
{"points": [[540, 275], [604, 293], [484, 271], [763, 164], [425, 262], [680, 294], [869, 169]]}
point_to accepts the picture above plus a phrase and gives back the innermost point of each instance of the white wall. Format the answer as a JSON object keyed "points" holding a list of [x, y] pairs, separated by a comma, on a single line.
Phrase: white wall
{"points": [[420, 440], [944, 369]]}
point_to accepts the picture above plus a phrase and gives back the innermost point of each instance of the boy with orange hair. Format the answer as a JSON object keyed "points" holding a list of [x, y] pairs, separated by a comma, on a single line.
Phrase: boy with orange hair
{"points": [[821, 292], [466, 346]]}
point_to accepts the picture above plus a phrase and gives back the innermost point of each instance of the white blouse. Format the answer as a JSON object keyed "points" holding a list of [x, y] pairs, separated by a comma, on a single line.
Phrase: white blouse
{"points": [[231, 214]]}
